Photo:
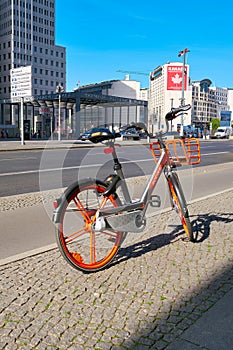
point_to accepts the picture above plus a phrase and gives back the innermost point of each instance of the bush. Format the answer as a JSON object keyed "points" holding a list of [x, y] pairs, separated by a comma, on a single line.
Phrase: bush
{"points": [[215, 123]]}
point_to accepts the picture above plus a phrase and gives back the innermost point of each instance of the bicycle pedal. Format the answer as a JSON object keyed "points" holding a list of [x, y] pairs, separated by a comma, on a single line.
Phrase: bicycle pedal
{"points": [[155, 201]]}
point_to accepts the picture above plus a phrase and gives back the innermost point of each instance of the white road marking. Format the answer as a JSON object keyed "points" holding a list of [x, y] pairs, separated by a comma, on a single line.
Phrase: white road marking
{"points": [[89, 165]]}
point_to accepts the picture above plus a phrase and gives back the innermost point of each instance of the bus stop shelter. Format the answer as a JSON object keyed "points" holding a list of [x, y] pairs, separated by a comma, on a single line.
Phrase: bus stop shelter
{"points": [[78, 111]]}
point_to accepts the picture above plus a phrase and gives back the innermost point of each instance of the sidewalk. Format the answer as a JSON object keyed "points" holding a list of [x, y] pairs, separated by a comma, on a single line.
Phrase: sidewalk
{"points": [[161, 292], [15, 145], [10, 145]]}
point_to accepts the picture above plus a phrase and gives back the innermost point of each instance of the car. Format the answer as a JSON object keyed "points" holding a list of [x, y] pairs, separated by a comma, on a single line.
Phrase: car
{"points": [[130, 134], [86, 135], [171, 135], [223, 132]]}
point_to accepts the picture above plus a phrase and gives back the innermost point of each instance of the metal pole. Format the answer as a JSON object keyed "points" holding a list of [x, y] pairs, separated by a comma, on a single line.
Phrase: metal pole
{"points": [[21, 122], [59, 116], [183, 53], [51, 127], [172, 99], [59, 91]]}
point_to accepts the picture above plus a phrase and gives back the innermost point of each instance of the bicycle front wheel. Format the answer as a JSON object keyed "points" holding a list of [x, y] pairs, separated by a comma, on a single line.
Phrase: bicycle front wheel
{"points": [[82, 247], [179, 204]]}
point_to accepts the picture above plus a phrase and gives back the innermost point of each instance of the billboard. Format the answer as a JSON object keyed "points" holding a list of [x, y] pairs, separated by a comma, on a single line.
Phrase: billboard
{"points": [[174, 77], [21, 82], [225, 119]]}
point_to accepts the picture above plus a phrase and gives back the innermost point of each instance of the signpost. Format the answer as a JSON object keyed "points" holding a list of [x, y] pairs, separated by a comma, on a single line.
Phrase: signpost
{"points": [[21, 86], [21, 81]]}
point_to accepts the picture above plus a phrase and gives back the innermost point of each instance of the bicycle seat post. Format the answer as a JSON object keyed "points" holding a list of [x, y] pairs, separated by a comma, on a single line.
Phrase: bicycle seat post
{"points": [[117, 167]]}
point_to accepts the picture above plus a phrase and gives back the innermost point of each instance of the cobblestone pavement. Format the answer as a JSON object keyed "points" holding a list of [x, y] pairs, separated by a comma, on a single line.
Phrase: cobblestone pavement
{"points": [[157, 287]]}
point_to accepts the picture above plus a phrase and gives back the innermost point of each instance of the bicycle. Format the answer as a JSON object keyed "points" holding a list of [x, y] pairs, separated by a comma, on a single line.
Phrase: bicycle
{"points": [[91, 218]]}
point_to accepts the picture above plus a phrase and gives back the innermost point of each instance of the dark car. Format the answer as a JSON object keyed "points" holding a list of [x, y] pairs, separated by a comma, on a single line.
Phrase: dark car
{"points": [[86, 135]]}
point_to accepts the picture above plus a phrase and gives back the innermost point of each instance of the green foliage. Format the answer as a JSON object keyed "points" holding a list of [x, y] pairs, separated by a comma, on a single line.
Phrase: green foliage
{"points": [[215, 123]]}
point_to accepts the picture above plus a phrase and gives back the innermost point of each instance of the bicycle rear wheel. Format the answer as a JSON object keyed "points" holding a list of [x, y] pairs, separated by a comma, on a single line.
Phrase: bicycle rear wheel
{"points": [[81, 246], [180, 205]]}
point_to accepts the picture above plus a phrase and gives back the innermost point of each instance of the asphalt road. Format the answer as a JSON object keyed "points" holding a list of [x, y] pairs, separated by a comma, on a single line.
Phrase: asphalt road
{"points": [[33, 171], [41, 171]]}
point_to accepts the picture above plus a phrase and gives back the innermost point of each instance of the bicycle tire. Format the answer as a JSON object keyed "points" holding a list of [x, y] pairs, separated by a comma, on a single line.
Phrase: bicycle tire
{"points": [[82, 247], [180, 205]]}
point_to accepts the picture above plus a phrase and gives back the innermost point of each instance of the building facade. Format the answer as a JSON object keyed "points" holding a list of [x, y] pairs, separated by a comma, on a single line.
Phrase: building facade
{"points": [[115, 116], [166, 91], [230, 102], [207, 102], [27, 39]]}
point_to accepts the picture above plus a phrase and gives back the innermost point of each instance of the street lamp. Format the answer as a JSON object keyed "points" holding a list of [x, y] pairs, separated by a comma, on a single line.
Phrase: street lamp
{"points": [[172, 99], [183, 53], [59, 90]]}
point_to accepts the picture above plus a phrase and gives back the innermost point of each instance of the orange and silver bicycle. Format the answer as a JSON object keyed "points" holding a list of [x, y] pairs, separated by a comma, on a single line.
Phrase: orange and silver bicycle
{"points": [[92, 219]]}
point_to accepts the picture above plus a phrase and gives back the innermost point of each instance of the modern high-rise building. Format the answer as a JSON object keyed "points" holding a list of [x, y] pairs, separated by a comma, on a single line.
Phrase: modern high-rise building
{"points": [[29, 59], [208, 102], [166, 91]]}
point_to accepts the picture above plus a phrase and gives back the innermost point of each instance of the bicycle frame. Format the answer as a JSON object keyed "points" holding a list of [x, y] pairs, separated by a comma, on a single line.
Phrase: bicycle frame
{"points": [[142, 204], [93, 218]]}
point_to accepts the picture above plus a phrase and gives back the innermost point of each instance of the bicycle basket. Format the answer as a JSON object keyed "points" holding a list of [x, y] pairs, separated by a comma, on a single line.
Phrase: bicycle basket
{"points": [[181, 151]]}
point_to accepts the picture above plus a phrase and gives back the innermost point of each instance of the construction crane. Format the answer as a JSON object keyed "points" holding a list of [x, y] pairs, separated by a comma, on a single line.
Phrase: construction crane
{"points": [[132, 72]]}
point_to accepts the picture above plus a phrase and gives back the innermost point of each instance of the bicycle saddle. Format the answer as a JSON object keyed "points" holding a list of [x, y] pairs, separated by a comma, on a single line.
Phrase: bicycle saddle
{"points": [[102, 134]]}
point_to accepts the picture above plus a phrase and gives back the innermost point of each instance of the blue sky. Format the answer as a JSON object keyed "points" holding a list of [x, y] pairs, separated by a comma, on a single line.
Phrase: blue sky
{"points": [[103, 36]]}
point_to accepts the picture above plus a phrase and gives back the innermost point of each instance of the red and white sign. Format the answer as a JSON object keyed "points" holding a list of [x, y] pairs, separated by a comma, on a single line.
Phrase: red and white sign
{"points": [[174, 77], [44, 110]]}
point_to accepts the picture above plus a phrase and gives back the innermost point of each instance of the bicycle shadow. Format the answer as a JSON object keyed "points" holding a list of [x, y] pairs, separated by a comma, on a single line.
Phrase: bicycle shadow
{"points": [[201, 230]]}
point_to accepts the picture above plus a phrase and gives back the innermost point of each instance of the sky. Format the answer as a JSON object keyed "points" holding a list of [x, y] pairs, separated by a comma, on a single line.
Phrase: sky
{"points": [[103, 36]]}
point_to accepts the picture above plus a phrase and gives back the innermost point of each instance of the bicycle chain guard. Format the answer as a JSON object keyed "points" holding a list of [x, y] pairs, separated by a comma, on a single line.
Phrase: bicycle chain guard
{"points": [[127, 222]]}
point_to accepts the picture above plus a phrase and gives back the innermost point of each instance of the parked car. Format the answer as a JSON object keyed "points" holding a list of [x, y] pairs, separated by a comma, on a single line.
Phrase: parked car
{"points": [[171, 135], [130, 134], [85, 135], [223, 132]]}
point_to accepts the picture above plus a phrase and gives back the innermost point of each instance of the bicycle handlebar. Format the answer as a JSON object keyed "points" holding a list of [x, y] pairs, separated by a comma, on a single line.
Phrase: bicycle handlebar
{"points": [[174, 112]]}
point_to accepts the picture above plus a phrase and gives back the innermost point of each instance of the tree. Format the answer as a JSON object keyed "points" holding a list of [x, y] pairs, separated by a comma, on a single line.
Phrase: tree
{"points": [[215, 123]]}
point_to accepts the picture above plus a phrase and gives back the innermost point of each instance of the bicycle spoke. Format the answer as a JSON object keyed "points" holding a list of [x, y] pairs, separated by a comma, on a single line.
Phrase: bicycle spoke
{"points": [[82, 246], [75, 235], [92, 248]]}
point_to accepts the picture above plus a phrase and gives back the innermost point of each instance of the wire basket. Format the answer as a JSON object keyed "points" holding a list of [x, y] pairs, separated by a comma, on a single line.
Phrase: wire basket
{"points": [[181, 151]]}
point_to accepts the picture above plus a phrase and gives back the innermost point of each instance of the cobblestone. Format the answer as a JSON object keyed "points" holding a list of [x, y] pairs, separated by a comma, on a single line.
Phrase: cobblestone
{"points": [[157, 287]]}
